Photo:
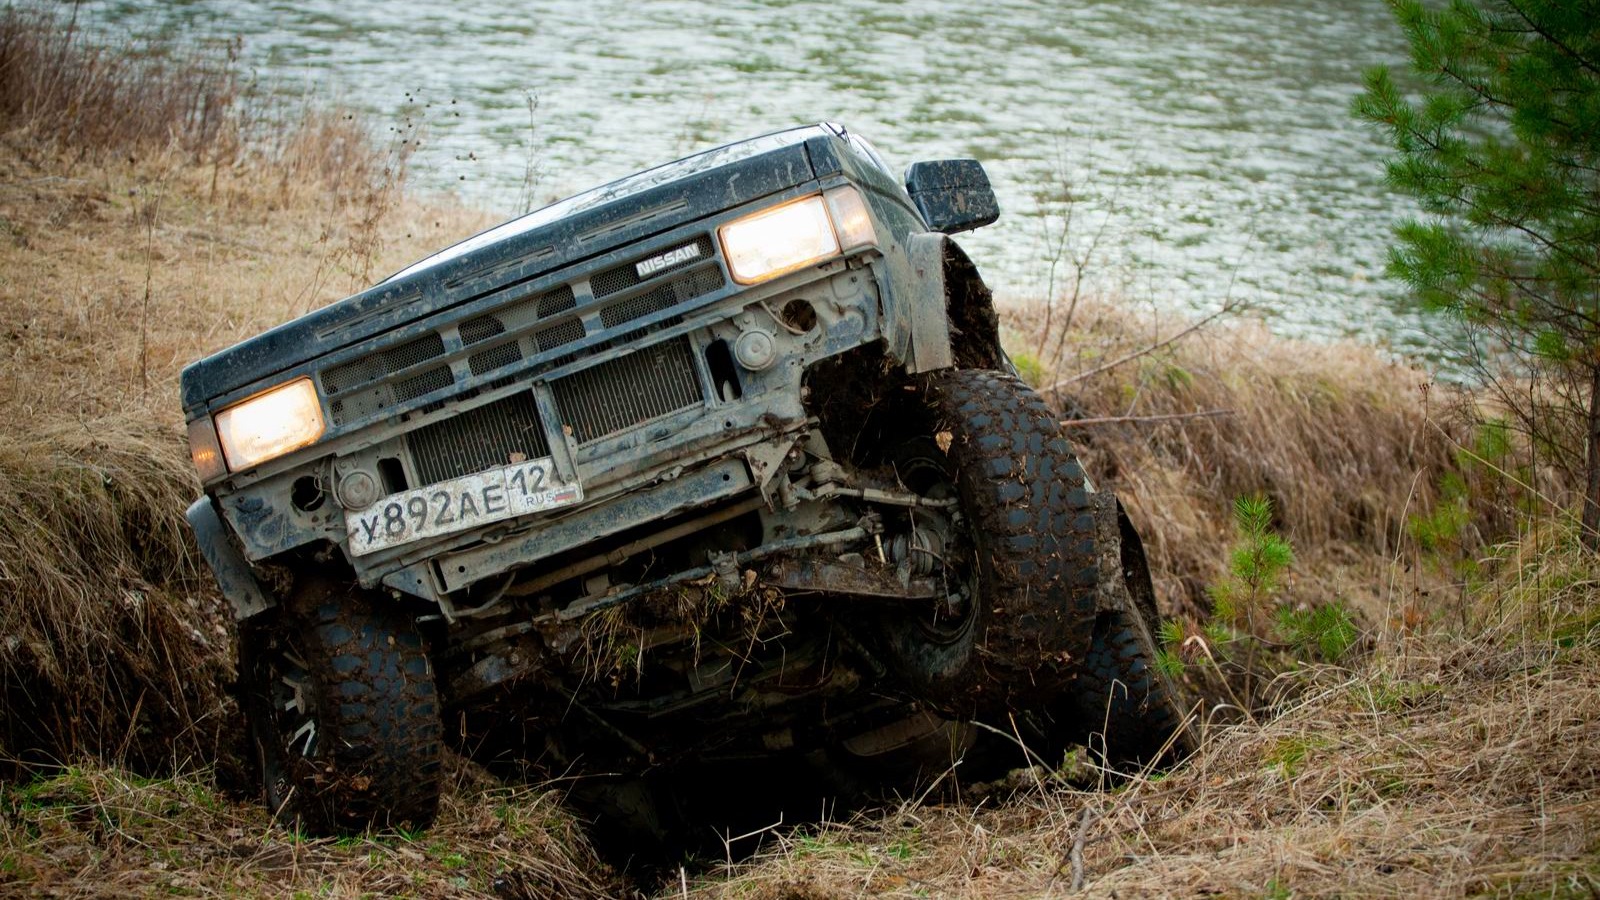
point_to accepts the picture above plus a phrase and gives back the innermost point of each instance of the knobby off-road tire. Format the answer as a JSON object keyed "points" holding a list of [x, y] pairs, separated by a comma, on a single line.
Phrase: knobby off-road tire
{"points": [[1025, 549], [343, 712], [1123, 707]]}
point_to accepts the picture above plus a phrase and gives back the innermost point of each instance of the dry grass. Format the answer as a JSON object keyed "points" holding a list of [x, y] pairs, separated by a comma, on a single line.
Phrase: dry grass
{"points": [[1345, 443], [1447, 763], [98, 100], [143, 223], [92, 832]]}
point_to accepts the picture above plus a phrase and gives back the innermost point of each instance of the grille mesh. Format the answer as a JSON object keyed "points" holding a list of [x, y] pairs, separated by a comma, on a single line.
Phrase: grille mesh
{"points": [[425, 383], [482, 328], [557, 301], [666, 296], [625, 392], [479, 439], [620, 278], [517, 316], [371, 368], [557, 335], [489, 360]]}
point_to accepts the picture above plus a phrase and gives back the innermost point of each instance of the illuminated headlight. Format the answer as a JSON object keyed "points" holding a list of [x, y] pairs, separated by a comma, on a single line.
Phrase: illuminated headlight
{"points": [[790, 236], [269, 425]]}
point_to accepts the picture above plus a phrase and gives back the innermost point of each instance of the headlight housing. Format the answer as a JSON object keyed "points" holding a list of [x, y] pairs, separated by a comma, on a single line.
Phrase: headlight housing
{"points": [[270, 424], [792, 235]]}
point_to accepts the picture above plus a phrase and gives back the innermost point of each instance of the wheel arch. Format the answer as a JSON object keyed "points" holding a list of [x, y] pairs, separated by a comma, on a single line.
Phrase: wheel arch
{"points": [[969, 308]]}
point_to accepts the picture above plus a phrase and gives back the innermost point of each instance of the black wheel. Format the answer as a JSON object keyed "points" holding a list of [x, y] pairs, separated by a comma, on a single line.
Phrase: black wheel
{"points": [[1019, 564], [1122, 706], [343, 713]]}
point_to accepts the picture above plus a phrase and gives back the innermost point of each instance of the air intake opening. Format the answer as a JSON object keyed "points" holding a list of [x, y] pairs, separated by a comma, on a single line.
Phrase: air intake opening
{"points": [[724, 374], [306, 494], [394, 475]]}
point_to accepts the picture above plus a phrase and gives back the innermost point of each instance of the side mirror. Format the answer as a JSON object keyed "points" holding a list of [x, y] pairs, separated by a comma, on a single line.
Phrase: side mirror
{"points": [[952, 194]]}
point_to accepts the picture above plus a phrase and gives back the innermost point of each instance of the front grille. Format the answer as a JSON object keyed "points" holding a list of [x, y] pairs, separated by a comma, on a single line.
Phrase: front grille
{"points": [[621, 393], [496, 344], [479, 439]]}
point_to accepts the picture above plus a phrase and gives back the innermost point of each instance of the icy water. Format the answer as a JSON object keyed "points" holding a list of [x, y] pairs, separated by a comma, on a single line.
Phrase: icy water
{"points": [[1208, 145]]}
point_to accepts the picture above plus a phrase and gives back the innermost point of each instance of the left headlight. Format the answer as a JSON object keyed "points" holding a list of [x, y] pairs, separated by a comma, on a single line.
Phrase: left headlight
{"points": [[790, 236], [270, 424]]}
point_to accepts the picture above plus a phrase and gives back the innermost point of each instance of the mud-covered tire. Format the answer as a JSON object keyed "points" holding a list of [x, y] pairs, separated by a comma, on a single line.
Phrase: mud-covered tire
{"points": [[1122, 706], [358, 672], [1029, 554], [1127, 710]]}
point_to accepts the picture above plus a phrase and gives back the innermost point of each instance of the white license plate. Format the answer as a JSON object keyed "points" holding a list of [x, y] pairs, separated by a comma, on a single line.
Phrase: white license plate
{"points": [[459, 504]]}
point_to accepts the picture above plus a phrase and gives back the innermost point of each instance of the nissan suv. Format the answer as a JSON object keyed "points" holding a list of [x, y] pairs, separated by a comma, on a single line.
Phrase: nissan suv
{"points": [[721, 461]]}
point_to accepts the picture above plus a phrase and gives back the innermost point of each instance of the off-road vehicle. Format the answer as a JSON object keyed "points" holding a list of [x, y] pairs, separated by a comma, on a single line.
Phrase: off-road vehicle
{"points": [[722, 461]]}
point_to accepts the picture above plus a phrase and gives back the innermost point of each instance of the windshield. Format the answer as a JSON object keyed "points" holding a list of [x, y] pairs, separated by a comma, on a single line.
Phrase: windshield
{"points": [[618, 189]]}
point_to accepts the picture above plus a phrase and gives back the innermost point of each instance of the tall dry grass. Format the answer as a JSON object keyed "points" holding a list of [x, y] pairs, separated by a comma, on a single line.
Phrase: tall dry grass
{"points": [[1345, 443], [92, 100], [151, 210]]}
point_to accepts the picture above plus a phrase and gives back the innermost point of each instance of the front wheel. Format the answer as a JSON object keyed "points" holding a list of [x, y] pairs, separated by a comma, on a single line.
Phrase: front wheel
{"points": [[1019, 568], [343, 712]]}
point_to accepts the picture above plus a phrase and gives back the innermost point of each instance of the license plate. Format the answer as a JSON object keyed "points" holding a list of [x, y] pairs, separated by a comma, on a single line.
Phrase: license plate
{"points": [[459, 504]]}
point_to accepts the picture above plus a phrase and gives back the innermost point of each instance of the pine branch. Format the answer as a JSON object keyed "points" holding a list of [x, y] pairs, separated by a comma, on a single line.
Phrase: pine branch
{"points": [[1557, 42]]}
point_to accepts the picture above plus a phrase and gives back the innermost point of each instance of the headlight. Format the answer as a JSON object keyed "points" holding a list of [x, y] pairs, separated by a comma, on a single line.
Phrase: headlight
{"points": [[269, 425], [793, 235]]}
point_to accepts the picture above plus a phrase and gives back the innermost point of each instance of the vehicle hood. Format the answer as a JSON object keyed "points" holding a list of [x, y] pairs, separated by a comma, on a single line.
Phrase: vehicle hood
{"points": [[563, 233]]}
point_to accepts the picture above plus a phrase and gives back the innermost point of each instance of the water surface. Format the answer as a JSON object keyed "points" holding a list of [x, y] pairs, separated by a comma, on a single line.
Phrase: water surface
{"points": [[1207, 143]]}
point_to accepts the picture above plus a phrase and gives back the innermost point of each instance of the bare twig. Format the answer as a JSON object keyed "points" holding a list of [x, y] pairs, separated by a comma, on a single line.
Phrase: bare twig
{"points": [[1163, 417], [1084, 821], [149, 212], [1227, 307], [728, 842]]}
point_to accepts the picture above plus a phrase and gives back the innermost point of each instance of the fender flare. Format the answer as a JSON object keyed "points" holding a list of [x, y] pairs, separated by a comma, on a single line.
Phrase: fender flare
{"points": [[238, 581], [945, 279]]}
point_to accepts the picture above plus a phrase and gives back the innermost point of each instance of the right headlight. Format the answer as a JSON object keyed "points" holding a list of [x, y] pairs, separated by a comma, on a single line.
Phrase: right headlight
{"points": [[792, 235], [270, 424]]}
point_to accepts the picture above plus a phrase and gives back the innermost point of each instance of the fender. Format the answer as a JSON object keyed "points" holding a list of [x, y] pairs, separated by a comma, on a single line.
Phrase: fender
{"points": [[929, 319], [238, 582], [916, 327], [937, 312]]}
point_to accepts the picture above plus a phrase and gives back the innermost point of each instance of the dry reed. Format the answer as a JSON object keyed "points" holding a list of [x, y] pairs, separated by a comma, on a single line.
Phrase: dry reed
{"points": [[145, 220], [1345, 443]]}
